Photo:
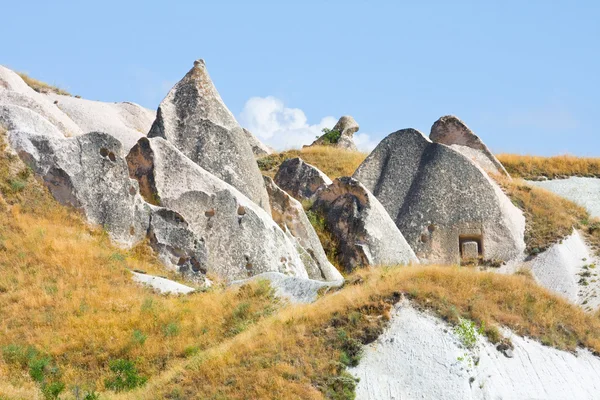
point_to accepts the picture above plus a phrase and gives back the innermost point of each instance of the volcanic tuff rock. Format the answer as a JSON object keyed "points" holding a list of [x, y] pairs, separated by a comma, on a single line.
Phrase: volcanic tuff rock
{"points": [[347, 127], [290, 216], [258, 148], [196, 121], [451, 131], [125, 121], [13, 90], [241, 238], [440, 199], [23, 119], [364, 231], [301, 180]]}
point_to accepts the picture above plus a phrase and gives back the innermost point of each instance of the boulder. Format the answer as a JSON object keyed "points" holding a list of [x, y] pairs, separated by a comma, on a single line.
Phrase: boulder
{"points": [[365, 233], [241, 239], [162, 285], [19, 118], [451, 131], [258, 148], [14, 91], [301, 180], [125, 121], [439, 199], [288, 213], [196, 121], [346, 127]]}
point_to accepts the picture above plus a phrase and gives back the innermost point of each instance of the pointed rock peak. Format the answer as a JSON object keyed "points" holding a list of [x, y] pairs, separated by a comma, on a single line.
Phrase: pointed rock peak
{"points": [[347, 126], [453, 132]]}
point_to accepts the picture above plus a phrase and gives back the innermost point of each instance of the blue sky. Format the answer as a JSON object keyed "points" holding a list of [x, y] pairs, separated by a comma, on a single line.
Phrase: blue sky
{"points": [[522, 75]]}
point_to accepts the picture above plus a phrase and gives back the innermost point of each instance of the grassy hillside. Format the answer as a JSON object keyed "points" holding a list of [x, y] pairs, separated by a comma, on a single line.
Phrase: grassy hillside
{"points": [[334, 162], [531, 167], [74, 322], [42, 87]]}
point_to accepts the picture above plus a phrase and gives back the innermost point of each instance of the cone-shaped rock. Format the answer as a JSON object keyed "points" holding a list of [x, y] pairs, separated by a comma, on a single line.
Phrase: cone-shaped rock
{"points": [[441, 200], [451, 131], [196, 121]]}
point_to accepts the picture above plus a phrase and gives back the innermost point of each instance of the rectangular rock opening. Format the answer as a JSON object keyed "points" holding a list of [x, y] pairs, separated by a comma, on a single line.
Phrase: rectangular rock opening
{"points": [[470, 246]]}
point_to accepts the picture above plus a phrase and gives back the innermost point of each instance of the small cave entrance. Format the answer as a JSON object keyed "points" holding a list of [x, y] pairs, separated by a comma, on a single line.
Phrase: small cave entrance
{"points": [[470, 246]]}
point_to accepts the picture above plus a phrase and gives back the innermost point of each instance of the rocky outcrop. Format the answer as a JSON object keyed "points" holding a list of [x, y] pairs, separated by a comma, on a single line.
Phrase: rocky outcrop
{"points": [[20, 118], [241, 239], [341, 135], [125, 121], [196, 121], [440, 199], [451, 131], [301, 180], [162, 285], [365, 233], [14, 91], [288, 213], [258, 148]]}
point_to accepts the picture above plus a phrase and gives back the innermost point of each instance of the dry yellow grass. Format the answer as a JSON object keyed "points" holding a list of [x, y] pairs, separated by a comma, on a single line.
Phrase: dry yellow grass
{"points": [[334, 162], [531, 167], [42, 87], [549, 217], [291, 354]]}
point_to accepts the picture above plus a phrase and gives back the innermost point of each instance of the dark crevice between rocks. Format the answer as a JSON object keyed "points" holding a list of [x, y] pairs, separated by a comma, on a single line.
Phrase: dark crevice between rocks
{"points": [[140, 162]]}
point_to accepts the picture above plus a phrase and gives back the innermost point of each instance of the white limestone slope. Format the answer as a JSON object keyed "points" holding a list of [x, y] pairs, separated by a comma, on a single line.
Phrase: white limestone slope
{"points": [[417, 357], [582, 191], [163, 285]]}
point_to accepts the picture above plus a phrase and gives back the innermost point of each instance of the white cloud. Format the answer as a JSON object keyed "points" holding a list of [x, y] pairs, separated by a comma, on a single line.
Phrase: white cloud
{"points": [[284, 128]]}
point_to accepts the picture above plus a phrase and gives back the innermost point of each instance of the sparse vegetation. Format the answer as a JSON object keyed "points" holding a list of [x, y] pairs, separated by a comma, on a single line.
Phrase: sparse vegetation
{"points": [[532, 167], [334, 162], [42, 87], [330, 136]]}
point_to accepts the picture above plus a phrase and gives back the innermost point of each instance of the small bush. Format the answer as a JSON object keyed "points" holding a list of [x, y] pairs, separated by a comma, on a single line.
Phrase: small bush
{"points": [[468, 332], [330, 136], [125, 376]]}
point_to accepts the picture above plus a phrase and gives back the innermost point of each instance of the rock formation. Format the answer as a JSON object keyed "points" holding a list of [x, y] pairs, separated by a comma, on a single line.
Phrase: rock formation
{"points": [[301, 180], [23, 119], [341, 135], [14, 91], [288, 213], [440, 199], [365, 233], [125, 121], [258, 148], [451, 131], [196, 121], [241, 239]]}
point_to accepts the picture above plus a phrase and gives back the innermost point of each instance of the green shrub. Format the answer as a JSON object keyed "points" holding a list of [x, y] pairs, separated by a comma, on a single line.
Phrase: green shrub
{"points": [[330, 136], [125, 376]]}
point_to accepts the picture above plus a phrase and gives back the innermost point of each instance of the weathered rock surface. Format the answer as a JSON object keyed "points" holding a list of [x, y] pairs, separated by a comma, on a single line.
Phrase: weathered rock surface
{"points": [[300, 179], [293, 288], [347, 127], [289, 214], [418, 357], [258, 148], [196, 121], [125, 121], [365, 233], [14, 91], [88, 172], [19, 118], [582, 191], [451, 131], [438, 199], [241, 239], [162, 285]]}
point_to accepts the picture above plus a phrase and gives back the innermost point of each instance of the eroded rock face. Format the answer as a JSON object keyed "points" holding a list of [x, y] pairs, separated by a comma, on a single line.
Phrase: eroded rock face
{"points": [[439, 199], [241, 239], [365, 233], [451, 131], [258, 148], [300, 179], [125, 121], [14, 91], [196, 121], [88, 172], [288, 213], [19, 118], [347, 127]]}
